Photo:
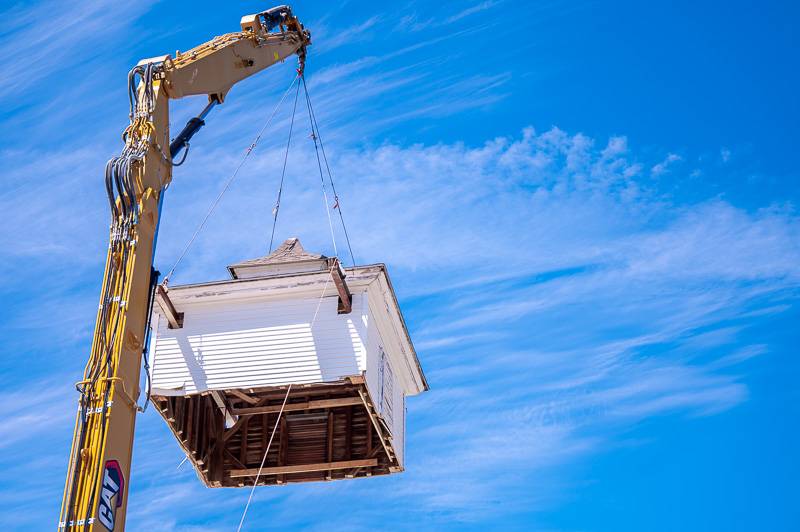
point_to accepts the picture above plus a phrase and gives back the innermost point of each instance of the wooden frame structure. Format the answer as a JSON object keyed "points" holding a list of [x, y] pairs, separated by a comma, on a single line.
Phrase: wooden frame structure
{"points": [[327, 431]]}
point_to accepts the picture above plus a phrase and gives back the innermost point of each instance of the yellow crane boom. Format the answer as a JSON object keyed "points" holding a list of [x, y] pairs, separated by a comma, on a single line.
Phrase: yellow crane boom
{"points": [[98, 477]]}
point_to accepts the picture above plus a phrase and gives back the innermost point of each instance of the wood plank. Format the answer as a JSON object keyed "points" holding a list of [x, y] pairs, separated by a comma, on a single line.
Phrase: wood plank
{"points": [[217, 465], [283, 446], [233, 459], [244, 397], [369, 438], [168, 412], [309, 468], [189, 421], [180, 416], [345, 297], [234, 429], [377, 427], [221, 401], [264, 435], [292, 407], [174, 318], [329, 440], [243, 447], [348, 433], [203, 430], [208, 427]]}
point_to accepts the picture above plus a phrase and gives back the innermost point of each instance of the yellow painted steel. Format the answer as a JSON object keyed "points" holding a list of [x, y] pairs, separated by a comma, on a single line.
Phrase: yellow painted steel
{"points": [[98, 478], [104, 428]]}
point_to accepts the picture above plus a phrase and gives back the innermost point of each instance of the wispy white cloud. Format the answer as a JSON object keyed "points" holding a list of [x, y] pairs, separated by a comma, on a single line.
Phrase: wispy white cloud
{"points": [[49, 35], [557, 295], [327, 39], [477, 8], [415, 22], [578, 301], [662, 167]]}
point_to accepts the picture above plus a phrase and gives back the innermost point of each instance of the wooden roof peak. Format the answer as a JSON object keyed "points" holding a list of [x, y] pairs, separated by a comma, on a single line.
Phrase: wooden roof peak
{"points": [[291, 251]]}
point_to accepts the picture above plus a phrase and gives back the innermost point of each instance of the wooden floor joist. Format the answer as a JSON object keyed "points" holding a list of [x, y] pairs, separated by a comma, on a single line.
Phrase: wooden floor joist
{"points": [[327, 431], [308, 468], [293, 407]]}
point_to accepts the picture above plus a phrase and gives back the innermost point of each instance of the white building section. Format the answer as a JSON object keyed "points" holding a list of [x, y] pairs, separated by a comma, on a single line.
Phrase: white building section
{"points": [[281, 321]]}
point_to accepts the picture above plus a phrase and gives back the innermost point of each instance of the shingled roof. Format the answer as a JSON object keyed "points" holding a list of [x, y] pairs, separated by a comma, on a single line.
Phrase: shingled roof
{"points": [[290, 252]]}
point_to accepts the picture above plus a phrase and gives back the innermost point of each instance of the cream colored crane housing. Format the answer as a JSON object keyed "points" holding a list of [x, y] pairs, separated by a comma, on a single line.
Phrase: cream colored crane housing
{"points": [[98, 478]]}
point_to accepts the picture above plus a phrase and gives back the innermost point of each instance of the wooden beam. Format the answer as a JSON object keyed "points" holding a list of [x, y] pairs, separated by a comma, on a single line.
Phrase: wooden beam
{"points": [[198, 430], [369, 438], [329, 441], [243, 446], [219, 399], [309, 468], [283, 444], [174, 318], [377, 427], [168, 412], [180, 416], [348, 433], [345, 297], [217, 466], [189, 422], [264, 433], [234, 429], [244, 397], [234, 459], [356, 379], [293, 407]]}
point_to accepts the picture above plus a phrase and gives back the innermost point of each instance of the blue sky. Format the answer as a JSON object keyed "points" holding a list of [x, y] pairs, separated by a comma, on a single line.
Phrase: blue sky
{"points": [[589, 211]]}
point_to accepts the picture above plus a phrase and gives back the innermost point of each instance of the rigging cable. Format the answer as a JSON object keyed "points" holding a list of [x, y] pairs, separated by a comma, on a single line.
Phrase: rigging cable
{"points": [[321, 177], [337, 205], [275, 427], [264, 459], [229, 182], [283, 172]]}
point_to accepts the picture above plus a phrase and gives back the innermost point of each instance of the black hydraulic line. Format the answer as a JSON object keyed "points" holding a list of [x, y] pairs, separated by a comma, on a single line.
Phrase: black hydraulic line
{"points": [[154, 276], [110, 189], [120, 187], [192, 126]]}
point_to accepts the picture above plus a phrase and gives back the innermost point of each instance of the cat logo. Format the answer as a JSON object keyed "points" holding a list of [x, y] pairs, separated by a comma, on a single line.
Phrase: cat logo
{"points": [[110, 494]]}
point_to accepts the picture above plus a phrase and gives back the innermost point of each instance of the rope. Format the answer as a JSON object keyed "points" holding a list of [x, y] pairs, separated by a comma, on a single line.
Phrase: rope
{"points": [[283, 172], [230, 180], [319, 303], [264, 459], [337, 205]]}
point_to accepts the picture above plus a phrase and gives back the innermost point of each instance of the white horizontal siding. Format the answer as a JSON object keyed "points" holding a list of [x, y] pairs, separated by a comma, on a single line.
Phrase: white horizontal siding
{"points": [[246, 344], [373, 356], [399, 423]]}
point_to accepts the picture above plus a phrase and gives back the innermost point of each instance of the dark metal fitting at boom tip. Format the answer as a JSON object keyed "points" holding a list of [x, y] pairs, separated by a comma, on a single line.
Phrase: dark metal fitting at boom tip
{"points": [[301, 61], [276, 16]]}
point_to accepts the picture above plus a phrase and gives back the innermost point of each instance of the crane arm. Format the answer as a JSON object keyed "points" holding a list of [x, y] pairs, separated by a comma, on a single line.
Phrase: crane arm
{"points": [[215, 66], [98, 476]]}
